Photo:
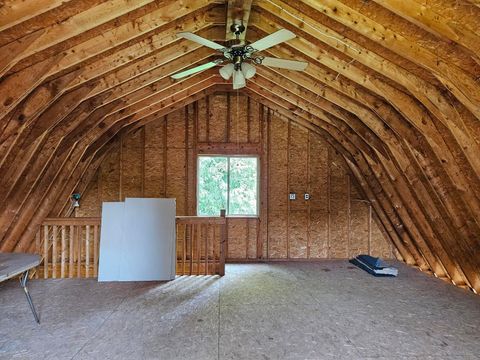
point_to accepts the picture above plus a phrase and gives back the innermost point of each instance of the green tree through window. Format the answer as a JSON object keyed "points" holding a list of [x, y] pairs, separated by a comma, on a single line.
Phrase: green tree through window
{"points": [[227, 182]]}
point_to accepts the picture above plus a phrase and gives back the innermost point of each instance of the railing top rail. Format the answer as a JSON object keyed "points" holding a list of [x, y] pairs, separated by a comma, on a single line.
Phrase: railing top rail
{"points": [[72, 221], [212, 220]]}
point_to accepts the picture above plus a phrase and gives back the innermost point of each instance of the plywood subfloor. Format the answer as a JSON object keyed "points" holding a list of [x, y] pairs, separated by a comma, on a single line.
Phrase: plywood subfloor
{"points": [[322, 310]]}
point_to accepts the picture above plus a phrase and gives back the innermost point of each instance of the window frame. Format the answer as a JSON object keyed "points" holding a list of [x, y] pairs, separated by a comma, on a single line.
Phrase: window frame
{"points": [[228, 156]]}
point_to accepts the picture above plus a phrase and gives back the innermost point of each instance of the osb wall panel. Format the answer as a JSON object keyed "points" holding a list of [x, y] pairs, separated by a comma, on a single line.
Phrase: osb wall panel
{"points": [[252, 236], [237, 238], [238, 124], [109, 177], [132, 164], [319, 191], [217, 118], [154, 180], [91, 204], [159, 160]]}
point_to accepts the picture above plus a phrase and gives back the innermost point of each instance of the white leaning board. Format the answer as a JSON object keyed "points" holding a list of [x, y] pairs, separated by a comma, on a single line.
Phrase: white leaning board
{"points": [[137, 240]]}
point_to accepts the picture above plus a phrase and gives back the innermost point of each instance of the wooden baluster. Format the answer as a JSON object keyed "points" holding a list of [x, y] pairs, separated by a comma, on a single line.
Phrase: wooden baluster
{"points": [[54, 251], [184, 248], [71, 240], [205, 236], [45, 251], [37, 249], [87, 251], [198, 241], [78, 242], [223, 240], [191, 248], [95, 251], [63, 252], [214, 253]]}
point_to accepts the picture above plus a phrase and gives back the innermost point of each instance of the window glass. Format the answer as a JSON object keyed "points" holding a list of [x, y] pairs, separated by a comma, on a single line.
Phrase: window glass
{"points": [[227, 182]]}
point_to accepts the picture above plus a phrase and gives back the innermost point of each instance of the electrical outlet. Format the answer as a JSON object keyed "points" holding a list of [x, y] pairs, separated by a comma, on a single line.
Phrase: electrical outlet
{"points": [[306, 196], [292, 196]]}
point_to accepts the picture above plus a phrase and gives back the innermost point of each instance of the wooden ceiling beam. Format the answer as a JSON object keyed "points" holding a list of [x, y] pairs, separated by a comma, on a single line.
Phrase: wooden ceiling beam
{"points": [[51, 197], [101, 45], [122, 31], [78, 24], [428, 94], [455, 79], [143, 71], [455, 30], [24, 202], [238, 12], [74, 110], [140, 101], [19, 18], [167, 41], [87, 115], [14, 49], [431, 97], [412, 112], [13, 12]]}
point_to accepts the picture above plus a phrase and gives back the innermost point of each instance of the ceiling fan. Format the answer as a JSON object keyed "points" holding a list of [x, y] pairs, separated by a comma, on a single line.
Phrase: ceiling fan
{"points": [[240, 57]]}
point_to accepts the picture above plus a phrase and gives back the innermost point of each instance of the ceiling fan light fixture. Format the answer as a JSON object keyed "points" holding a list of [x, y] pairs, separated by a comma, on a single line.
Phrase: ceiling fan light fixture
{"points": [[226, 71], [248, 70], [238, 80]]}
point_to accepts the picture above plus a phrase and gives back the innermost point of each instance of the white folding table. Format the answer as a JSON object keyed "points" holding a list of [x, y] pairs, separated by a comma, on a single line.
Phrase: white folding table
{"points": [[14, 264]]}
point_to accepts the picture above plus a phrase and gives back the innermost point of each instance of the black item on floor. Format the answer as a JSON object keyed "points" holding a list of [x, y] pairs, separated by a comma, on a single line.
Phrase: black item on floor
{"points": [[374, 265]]}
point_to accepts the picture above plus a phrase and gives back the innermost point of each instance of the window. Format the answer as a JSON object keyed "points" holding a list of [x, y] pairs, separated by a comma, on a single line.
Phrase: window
{"points": [[227, 182]]}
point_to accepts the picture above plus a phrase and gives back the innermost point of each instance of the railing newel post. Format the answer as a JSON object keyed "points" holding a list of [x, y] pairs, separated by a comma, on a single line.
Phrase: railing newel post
{"points": [[223, 240]]}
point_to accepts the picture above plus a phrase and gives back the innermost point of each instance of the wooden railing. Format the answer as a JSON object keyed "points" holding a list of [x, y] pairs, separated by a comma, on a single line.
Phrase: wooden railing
{"points": [[201, 245], [70, 246]]}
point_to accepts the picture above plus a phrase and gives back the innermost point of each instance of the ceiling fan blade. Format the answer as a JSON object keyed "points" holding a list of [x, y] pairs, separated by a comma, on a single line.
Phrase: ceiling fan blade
{"points": [[200, 40], [284, 64], [196, 69], [273, 39]]}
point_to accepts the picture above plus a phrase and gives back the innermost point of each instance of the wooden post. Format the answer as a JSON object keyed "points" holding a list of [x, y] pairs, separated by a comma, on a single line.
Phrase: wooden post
{"points": [[223, 240], [87, 251], [63, 252], [71, 250], [198, 244], [37, 250], [95, 250], [184, 249], [54, 251], [191, 248], [45, 251], [205, 236], [78, 244]]}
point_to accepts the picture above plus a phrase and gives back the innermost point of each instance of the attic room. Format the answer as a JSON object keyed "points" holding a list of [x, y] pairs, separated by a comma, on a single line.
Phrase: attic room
{"points": [[228, 179]]}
